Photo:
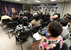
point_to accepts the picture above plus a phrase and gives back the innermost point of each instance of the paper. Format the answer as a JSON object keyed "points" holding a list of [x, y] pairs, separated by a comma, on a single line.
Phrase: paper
{"points": [[37, 36]]}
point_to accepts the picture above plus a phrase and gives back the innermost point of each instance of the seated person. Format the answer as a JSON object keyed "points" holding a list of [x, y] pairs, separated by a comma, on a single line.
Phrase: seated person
{"points": [[35, 22], [20, 13], [22, 27], [55, 16], [15, 15], [65, 32], [29, 17], [54, 42], [48, 13], [35, 14], [54, 29], [4, 16]]}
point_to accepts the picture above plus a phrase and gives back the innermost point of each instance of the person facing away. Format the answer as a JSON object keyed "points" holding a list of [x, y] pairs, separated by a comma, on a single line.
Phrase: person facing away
{"points": [[35, 14], [21, 12], [54, 16], [35, 22], [4, 16], [65, 32], [45, 13], [55, 41], [48, 13], [15, 15], [24, 25]]}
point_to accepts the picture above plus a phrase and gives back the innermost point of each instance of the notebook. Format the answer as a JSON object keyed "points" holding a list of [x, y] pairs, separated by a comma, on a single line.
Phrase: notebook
{"points": [[37, 36]]}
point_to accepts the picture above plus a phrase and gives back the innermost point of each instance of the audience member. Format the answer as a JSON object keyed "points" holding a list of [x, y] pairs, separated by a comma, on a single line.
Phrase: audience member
{"points": [[48, 13], [65, 32], [20, 13], [15, 15], [54, 16], [35, 14], [45, 13], [46, 18], [4, 16], [22, 27], [31, 13], [55, 40], [30, 17], [35, 22]]}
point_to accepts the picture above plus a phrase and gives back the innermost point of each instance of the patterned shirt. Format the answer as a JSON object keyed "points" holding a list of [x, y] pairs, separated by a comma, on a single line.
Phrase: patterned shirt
{"points": [[20, 27], [50, 44]]}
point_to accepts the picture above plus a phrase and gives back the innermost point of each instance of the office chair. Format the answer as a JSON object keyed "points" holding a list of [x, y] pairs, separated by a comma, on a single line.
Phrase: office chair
{"points": [[47, 18], [36, 29], [42, 17], [65, 47], [10, 26], [5, 22], [44, 24], [57, 17], [23, 36], [15, 19]]}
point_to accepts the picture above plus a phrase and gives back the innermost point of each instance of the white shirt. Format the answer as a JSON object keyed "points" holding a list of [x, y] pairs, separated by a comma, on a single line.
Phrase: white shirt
{"points": [[21, 27], [64, 32], [34, 14], [5, 17]]}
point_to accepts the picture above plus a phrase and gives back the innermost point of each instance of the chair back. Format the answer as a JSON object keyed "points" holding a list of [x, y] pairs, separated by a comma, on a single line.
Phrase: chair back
{"points": [[42, 17], [5, 21], [48, 17], [12, 24], [25, 34], [15, 19], [44, 24], [36, 29], [65, 47]]}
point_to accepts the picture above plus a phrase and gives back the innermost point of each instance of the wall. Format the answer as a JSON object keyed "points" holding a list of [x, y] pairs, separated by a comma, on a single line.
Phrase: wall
{"points": [[59, 10], [68, 8]]}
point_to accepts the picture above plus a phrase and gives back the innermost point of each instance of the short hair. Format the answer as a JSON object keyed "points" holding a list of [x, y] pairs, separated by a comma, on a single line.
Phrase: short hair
{"points": [[55, 28], [36, 17], [66, 19], [64, 22], [58, 20]]}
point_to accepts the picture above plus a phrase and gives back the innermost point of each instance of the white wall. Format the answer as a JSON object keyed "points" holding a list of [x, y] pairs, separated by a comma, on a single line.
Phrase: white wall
{"points": [[67, 8], [59, 10]]}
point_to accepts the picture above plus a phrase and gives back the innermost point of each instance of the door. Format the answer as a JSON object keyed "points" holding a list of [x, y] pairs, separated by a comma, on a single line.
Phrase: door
{"points": [[29, 9]]}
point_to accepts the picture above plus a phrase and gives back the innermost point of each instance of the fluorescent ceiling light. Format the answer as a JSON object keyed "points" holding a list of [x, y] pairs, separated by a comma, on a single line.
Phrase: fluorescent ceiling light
{"points": [[37, 1], [28, 2], [53, 0], [17, 0]]}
